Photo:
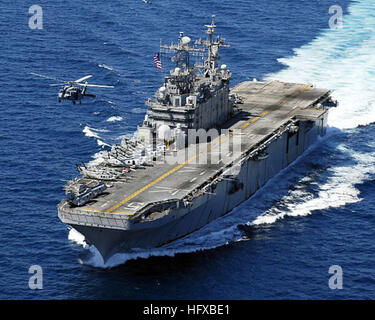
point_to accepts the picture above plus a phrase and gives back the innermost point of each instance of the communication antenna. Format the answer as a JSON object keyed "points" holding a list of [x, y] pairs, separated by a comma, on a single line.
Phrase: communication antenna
{"points": [[212, 46], [182, 51]]}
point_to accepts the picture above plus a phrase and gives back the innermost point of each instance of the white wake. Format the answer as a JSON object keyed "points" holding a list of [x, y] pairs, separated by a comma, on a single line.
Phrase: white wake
{"points": [[342, 60], [114, 119], [94, 133]]}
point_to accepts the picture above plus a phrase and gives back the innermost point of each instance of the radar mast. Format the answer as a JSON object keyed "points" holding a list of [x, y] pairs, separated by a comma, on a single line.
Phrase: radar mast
{"points": [[212, 45], [182, 51]]}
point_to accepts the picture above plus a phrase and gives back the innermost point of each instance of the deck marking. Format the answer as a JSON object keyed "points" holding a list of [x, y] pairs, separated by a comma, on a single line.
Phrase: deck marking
{"points": [[164, 188], [189, 170], [306, 87], [165, 175], [122, 212], [253, 120], [156, 191], [175, 192], [103, 211], [94, 209]]}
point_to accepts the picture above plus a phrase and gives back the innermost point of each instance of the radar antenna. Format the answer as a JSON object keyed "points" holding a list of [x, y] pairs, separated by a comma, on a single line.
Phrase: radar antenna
{"points": [[212, 45], [183, 51]]}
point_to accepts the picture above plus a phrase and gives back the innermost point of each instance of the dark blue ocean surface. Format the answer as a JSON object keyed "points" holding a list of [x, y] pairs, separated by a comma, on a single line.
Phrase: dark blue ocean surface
{"points": [[317, 213]]}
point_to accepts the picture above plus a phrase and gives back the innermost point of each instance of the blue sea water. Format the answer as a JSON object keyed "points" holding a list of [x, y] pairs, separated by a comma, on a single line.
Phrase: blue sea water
{"points": [[317, 213]]}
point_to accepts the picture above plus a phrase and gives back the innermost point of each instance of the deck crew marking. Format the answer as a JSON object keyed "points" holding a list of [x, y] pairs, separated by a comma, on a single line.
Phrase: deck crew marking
{"points": [[165, 175]]}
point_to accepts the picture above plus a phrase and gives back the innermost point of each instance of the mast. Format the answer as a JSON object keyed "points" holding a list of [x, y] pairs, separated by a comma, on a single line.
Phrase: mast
{"points": [[182, 51], [212, 45]]}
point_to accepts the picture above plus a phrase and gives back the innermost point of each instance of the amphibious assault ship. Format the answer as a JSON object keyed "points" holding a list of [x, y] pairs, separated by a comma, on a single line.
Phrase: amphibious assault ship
{"points": [[203, 148]]}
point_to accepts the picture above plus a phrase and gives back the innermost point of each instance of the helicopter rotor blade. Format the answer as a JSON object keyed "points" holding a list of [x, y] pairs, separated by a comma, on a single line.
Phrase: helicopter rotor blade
{"points": [[95, 85], [46, 77], [57, 84], [83, 78]]}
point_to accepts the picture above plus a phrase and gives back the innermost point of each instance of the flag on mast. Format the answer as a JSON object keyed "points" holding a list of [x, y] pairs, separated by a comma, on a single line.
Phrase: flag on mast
{"points": [[157, 61]]}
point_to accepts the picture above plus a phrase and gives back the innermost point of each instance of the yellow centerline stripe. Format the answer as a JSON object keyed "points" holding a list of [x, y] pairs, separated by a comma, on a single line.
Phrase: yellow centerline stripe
{"points": [[102, 210], [122, 212], [308, 86], [253, 120], [162, 177]]}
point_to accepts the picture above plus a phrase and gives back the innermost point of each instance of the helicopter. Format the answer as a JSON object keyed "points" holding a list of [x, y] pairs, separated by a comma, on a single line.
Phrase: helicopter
{"points": [[71, 90]]}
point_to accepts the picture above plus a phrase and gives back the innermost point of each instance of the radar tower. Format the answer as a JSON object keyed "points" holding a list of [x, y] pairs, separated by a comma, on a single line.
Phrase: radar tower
{"points": [[210, 66]]}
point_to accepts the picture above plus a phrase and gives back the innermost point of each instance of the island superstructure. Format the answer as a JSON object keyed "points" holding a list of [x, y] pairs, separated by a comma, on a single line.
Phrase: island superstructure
{"points": [[167, 181]]}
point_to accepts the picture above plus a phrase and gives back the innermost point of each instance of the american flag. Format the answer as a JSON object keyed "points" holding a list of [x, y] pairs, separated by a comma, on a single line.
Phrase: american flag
{"points": [[157, 61]]}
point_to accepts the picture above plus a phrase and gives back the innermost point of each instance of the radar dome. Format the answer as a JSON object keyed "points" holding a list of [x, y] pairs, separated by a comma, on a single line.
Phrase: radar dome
{"points": [[185, 40], [164, 132], [223, 67]]}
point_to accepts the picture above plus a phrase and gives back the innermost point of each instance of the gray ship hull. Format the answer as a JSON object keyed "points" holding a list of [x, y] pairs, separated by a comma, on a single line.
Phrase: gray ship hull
{"points": [[180, 221]]}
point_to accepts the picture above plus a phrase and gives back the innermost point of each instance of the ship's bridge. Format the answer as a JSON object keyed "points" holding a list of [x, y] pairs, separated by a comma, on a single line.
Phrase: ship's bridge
{"points": [[191, 97]]}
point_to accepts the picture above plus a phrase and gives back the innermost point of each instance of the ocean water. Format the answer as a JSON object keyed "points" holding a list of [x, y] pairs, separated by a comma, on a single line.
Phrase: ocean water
{"points": [[280, 244]]}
